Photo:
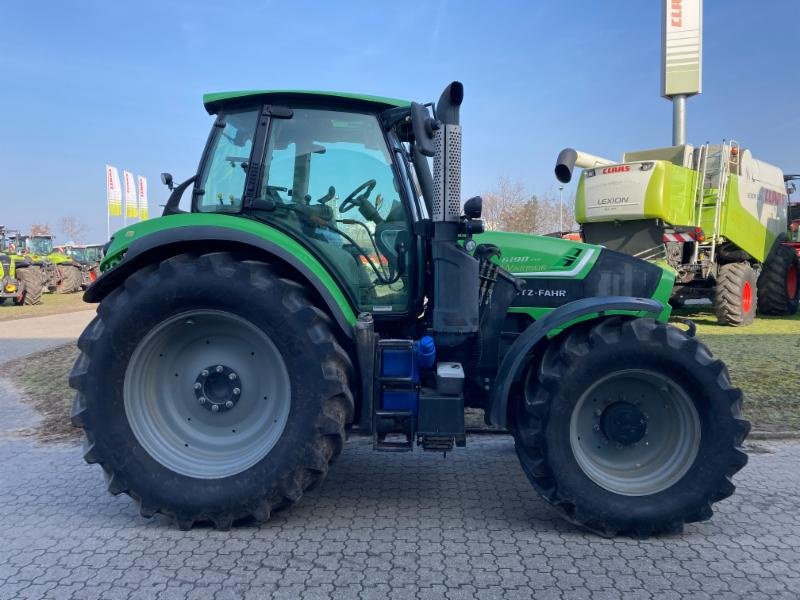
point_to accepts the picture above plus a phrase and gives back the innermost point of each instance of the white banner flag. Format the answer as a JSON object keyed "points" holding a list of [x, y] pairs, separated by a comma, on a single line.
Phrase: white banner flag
{"points": [[131, 208], [141, 192], [113, 191]]}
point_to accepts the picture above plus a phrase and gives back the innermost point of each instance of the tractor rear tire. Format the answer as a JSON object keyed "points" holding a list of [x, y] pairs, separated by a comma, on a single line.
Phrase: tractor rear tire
{"points": [[70, 279], [31, 280], [196, 332], [736, 293], [629, 426], [779, 283]]}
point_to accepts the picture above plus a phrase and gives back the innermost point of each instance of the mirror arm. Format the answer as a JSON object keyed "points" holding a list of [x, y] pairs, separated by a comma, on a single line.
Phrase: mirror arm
{"points": [[171, 207]]}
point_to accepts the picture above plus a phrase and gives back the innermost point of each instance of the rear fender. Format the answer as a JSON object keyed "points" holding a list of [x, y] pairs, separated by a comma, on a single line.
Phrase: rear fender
{"points": [[159, 245], [515, 360]]}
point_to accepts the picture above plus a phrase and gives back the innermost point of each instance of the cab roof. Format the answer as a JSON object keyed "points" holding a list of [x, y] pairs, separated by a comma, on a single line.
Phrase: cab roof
{"points": [[214, 101]]}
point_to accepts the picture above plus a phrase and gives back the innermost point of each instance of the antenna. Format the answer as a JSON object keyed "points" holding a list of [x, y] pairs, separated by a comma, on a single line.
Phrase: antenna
{"points": [[681, 58]]}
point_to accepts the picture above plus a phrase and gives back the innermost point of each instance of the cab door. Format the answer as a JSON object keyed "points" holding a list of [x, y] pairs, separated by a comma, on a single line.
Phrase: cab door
{"points": [[329, 180]]}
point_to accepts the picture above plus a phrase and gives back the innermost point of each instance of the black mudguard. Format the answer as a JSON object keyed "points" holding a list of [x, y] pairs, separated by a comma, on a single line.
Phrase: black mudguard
{"points": [[514, 360]]}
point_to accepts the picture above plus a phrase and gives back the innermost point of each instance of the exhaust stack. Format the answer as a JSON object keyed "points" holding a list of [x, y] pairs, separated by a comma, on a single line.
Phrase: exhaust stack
{"points": [[569, 158], [455, 271], [447, 159]]}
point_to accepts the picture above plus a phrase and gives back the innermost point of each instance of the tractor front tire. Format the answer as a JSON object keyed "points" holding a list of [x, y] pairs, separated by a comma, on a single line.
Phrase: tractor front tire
{"points": [[629, 426], [31, 280], [70, 279], [211, 389], [735, 295], [779, 283]]}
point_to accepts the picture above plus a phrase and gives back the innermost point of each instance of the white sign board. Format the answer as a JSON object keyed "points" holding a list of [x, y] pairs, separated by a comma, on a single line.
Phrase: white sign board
{"points": [[141, 193], [113, 191], [131, 207], [681, 47]]}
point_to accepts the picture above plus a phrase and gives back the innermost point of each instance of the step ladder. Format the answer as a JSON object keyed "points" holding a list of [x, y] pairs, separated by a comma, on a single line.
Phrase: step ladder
{"points": [[392, 424], [714, 166]]}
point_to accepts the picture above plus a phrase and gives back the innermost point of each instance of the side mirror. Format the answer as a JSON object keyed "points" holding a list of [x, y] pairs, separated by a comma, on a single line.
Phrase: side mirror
{"points": [[473, 208], [166, 179], [423, 126]]}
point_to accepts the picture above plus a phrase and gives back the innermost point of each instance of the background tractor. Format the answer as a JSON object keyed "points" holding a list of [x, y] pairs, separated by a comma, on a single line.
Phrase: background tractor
{"points": [[20, 272], [715, 214], [60, 274], [319, 279], [88, 256]]}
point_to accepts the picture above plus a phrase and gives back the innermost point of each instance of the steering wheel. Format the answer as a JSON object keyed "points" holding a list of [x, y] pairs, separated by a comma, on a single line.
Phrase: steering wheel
{"points": [[357, 196]]}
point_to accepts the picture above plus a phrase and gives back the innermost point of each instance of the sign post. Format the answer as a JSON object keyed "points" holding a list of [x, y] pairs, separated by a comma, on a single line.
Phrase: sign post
{"points": [[681, 58]]}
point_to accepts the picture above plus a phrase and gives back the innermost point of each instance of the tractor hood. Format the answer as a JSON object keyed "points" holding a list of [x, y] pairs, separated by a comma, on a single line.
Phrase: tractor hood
{"points": [[556, 271]]}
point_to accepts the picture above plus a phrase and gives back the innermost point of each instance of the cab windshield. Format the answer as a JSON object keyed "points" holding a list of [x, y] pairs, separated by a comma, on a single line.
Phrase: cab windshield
{"points": [[79, 254], [40, 245]]}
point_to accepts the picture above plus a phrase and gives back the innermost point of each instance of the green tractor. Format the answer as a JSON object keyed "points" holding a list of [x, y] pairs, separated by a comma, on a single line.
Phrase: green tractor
{"points": [[60, 273], [321, 280], [88, 256], [20, 275]]}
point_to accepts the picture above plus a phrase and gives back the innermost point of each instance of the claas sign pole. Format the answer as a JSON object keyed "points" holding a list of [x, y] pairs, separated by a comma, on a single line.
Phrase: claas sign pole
{"points": [[681, 58]]}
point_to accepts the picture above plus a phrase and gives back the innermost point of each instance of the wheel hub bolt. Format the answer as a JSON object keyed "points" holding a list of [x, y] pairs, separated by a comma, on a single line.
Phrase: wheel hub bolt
{"points": [[215, 407], [204, 372], [236, 391], [229, 404], [232, 376], [198, 385], [201, 400], [220, 368]]}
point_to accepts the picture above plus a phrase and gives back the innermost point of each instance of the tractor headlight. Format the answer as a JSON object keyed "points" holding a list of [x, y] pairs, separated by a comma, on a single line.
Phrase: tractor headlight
{"points": [[10, 287]]}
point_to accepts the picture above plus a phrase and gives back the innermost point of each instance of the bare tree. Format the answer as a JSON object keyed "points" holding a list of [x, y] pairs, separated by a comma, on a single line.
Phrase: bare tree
{"points": [[40, 229], [73, 229], [500, 201], [509, 207]]}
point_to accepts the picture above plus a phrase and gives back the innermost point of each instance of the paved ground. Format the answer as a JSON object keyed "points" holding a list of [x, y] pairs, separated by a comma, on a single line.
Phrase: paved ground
{"points": [[26, 336], [384, 526]]}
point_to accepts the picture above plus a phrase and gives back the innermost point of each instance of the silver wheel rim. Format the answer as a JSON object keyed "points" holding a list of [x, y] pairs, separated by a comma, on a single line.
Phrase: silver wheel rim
{"points": [[614, 458], [171, 416]]}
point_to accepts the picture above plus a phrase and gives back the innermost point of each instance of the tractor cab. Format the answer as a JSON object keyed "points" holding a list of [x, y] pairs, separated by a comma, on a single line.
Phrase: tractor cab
{"points": [[326, 170]]}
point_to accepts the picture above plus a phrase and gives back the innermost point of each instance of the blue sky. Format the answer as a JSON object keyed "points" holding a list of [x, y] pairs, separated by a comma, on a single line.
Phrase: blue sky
{"points": [[88, 83]]}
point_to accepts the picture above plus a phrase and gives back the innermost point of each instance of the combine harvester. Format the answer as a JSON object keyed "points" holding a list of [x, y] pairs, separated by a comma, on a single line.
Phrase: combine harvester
{"points": [[715, 214]]}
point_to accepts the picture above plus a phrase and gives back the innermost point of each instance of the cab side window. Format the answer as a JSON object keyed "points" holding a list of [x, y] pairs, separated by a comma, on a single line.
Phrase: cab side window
{"points": [[330, 176]]}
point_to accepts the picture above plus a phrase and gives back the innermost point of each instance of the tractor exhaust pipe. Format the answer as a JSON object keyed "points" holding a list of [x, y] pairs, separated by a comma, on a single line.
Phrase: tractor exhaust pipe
{"points": [[569, 158], [447, 159], [455, 271]]}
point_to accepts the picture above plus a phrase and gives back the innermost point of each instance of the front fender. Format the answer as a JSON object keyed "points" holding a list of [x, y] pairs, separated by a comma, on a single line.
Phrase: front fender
{"points": [[560, 318], [154, 246]]}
